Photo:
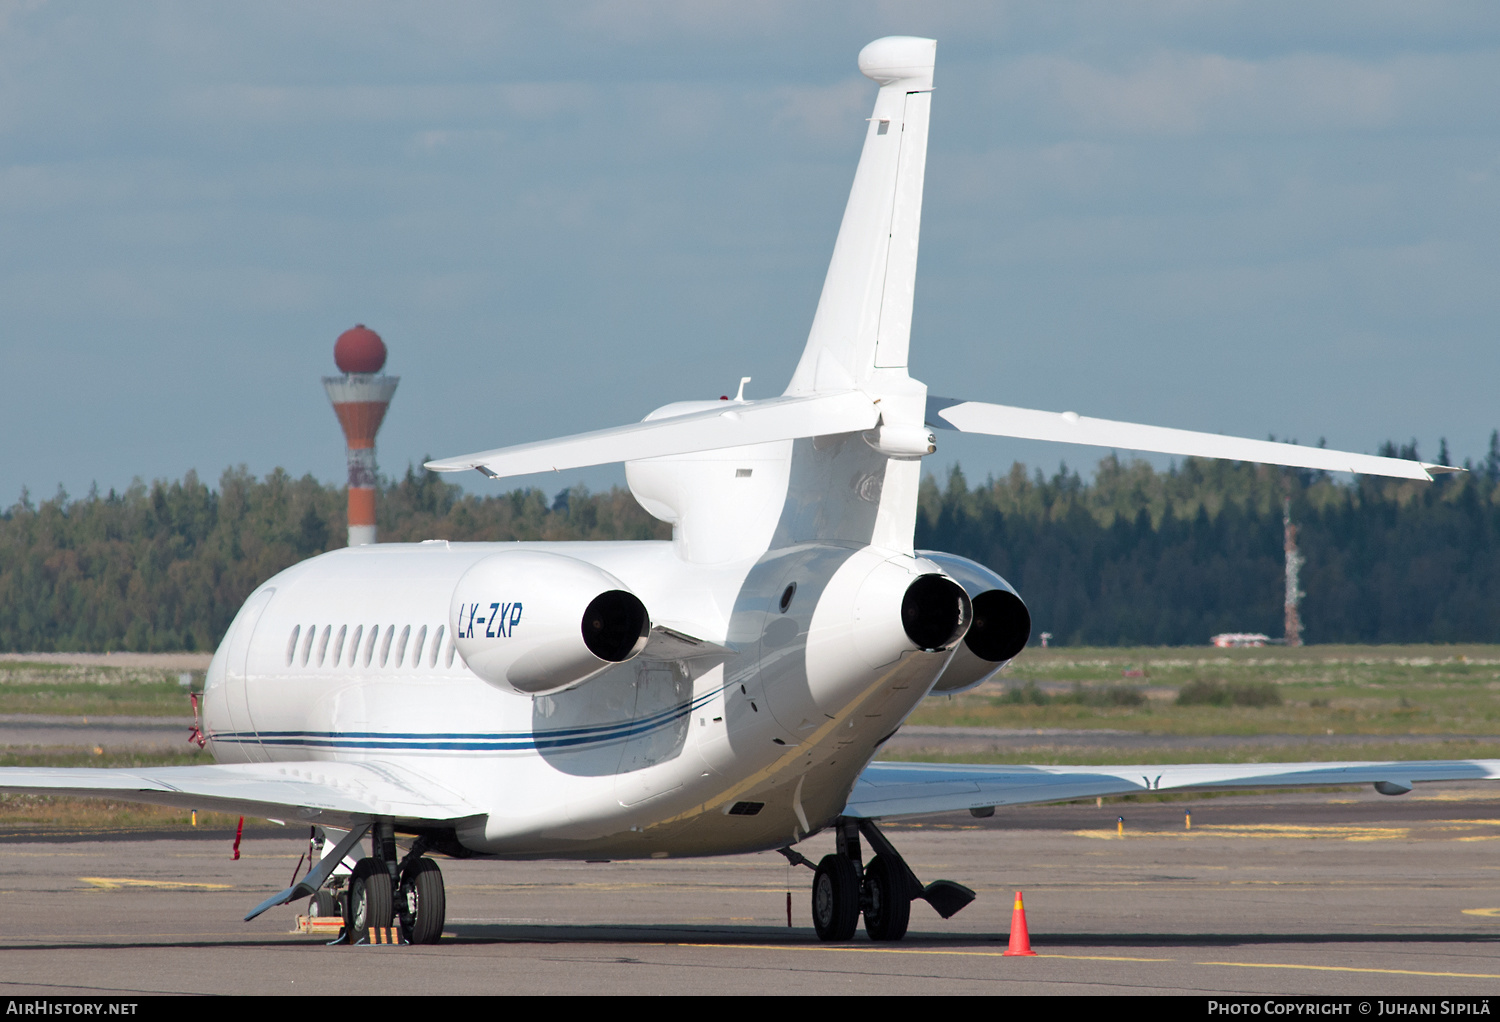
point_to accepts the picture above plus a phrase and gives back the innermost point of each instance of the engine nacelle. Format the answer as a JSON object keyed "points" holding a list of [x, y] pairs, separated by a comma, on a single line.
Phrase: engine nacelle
{"points": [[536, 623], [1001, 626]]}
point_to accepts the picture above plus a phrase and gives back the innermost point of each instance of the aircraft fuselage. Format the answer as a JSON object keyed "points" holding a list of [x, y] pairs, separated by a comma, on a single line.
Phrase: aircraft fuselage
{"points": [[351, 656]]}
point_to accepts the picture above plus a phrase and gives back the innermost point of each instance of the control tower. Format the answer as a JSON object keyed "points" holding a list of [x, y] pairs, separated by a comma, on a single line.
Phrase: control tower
{"points": [[360, 398]]}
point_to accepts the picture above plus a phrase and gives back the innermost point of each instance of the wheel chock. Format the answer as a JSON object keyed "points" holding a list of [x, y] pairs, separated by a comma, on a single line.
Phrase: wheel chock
{"points": [[319, 924], [381, 935], [1020, 937]]}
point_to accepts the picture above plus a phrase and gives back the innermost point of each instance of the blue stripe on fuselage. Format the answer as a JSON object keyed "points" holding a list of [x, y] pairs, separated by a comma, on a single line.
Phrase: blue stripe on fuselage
{"points": [[515, 741]]}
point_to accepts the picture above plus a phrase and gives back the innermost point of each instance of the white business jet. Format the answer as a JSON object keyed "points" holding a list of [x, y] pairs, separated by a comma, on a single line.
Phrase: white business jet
{"points": [[722, 692]]}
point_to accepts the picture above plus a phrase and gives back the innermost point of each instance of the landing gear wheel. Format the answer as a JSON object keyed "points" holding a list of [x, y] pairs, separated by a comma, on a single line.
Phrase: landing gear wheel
{"points": [[423, 903], [835, 898], [369, 901], [324, 903], [887, 900]]}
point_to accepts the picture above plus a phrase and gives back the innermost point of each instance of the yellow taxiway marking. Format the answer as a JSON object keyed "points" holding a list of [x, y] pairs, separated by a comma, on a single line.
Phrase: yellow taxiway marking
{"points": [[115, 883], [1260, 831], [1350, 968], [1491, 912], [914, 951]]}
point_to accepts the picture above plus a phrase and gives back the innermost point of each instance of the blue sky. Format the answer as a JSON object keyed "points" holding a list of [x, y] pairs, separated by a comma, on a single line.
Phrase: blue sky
{"points": [[1251, 218]]}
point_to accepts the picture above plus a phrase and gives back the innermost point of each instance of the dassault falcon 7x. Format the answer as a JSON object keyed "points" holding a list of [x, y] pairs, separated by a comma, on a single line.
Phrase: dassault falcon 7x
{"points": [[721, 692]]}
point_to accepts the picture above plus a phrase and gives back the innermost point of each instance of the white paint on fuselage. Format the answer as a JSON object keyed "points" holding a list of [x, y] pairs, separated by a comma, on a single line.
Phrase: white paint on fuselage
{"points": [[643, 759]]}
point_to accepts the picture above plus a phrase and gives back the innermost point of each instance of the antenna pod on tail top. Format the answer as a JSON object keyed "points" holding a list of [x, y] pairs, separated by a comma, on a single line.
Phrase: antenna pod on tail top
{"points": [[900, 58]]}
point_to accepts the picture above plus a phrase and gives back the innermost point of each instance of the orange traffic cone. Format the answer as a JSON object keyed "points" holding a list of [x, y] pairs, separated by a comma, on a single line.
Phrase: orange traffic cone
{"points": [[1020, 938]]}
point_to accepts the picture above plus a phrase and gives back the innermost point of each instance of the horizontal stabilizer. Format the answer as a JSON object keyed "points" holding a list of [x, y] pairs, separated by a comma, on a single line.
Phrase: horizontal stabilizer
{"points": [[732, 424], [1072, 428]]}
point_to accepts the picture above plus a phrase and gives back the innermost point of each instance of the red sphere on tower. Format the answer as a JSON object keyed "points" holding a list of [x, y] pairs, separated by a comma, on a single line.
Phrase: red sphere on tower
{"points": [[359, 350]]}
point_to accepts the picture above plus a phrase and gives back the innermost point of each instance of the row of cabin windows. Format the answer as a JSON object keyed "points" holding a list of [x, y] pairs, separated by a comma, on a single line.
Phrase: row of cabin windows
{"points": [[361, 646]]}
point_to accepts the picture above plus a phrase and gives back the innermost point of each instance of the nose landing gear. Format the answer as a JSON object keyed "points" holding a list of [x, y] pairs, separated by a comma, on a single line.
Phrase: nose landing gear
{"points": [[882, 891]]}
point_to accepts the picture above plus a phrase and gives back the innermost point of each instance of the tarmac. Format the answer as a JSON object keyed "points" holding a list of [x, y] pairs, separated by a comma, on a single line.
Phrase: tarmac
{"points": [[1345, 893], [34, 732]]}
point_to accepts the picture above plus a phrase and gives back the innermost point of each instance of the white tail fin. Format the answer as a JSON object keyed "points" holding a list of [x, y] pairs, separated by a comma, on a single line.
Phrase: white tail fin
{"points": [[863, 322]]}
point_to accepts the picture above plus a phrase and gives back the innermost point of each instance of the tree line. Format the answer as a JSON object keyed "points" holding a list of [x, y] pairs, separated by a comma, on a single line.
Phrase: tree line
{"points": [[1133, 556], [166, 567], [1141, 557]]}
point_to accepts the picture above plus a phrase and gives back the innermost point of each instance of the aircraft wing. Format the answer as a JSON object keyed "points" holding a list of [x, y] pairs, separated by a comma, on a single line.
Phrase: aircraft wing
{"points": [[325, 793], [734, 424], [909, 789], [1072, 428]]}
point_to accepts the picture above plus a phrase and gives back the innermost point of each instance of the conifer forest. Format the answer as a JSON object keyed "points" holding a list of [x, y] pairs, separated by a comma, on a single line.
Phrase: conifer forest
{"points": [[1135, 556]]}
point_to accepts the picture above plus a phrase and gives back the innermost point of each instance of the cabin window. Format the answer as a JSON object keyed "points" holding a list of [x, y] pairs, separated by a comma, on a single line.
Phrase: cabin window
{"points": [[437, 644], [451, 651], [323, 644], [401, 645], [416, 653], [370, 644], [743, 473], [385, 644], [338, 644], [354, 644], [291, 645], [312, 633]]}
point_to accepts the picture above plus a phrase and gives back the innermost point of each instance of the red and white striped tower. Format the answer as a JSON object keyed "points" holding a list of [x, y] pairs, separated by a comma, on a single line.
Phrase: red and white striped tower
{"points": [[360, 398]]}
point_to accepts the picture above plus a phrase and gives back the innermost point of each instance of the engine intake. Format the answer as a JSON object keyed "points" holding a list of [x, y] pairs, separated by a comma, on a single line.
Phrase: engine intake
{"points": [[615, 625], [535, 623]]}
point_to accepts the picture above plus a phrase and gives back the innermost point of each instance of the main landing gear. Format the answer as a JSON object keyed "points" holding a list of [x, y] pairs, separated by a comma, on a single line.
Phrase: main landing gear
{"points": [[881, 890], [384, 892]]}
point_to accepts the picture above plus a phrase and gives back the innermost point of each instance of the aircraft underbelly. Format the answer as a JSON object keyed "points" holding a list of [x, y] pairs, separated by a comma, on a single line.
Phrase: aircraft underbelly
{"points": [[799, 788]]}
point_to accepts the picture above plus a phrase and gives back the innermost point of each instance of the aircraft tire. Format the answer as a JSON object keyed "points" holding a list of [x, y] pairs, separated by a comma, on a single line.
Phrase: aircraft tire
{"points": [[324, 903], [835, 898], [887, 901], [425, 907], [369, 901]]}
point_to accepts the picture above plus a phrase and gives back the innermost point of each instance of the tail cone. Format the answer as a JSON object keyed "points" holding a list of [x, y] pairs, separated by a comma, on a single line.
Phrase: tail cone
{"points": [[1020, 938]]}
